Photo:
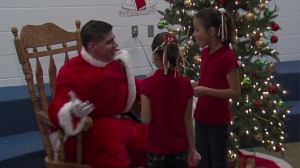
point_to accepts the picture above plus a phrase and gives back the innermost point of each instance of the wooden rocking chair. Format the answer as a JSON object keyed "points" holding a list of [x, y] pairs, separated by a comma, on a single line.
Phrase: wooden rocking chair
{"points": [[36, 45]]}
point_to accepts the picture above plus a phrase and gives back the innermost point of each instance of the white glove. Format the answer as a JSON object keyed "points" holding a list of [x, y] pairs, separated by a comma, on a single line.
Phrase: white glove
{"points": [[79, 108]]}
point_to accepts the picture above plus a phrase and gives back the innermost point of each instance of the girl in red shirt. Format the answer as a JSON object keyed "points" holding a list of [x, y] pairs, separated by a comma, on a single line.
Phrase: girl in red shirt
{"points": [[219, 81], [167, 99]]}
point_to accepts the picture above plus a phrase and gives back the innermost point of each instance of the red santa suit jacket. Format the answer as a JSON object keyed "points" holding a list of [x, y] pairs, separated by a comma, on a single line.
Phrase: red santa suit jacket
{"points": [[109, 86]]}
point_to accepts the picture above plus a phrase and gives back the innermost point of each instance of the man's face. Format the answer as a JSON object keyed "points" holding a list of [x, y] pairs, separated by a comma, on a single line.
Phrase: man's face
{"points": [[104, 50]]}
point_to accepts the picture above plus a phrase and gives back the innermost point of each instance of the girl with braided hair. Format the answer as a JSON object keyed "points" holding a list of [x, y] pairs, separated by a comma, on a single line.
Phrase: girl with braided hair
{"points": [[219, 81], [167, 99]]}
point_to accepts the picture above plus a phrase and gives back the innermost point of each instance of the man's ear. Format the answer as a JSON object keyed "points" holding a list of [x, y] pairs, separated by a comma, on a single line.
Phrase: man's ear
{"points": [[91, 46]]}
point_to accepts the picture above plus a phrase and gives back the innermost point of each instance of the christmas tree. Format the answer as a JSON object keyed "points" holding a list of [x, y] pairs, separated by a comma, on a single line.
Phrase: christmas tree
{"points": [[260, 113]]}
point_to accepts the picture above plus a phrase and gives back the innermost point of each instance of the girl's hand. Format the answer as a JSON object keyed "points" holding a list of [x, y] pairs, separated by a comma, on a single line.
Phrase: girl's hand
{"points": [[193, 158], [199, 91], [194, 83]]}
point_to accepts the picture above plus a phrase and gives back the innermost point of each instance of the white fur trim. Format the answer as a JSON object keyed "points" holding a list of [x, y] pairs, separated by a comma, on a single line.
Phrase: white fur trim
{"points": [[86, 56], [123, 56], [65, 120], [54, 139], [281, 163], [55, 143]]}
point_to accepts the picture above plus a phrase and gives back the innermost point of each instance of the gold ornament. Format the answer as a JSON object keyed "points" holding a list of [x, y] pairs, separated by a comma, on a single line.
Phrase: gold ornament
{"points": [[196, 58], [183, 51], [172, 32], [261, 6], [232, 156], [258, 137], [259, 44], [272, 66], [188, 3], [249, 16]]}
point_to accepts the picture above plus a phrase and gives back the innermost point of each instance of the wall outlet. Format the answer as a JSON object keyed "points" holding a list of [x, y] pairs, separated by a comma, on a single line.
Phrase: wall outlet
{"points": [[134, 31], [150, 31]]}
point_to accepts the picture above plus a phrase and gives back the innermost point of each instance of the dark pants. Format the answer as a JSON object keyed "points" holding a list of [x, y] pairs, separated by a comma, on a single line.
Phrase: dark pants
{"points": [[211, 143], [178, 160]]}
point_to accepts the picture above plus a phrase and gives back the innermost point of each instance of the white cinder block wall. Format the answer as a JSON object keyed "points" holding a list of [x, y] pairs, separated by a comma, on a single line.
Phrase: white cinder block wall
{"points": [[65, 12], [289, 36]]}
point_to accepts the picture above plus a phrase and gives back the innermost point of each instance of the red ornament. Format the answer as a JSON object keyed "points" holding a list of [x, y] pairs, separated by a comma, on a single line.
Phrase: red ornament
{"points": [[258, 103], [274, 39], [257, 37], [251, 73], [275, 26], [238, 15], [277, 148], [272, 89], [224, 1], [238, 26]]}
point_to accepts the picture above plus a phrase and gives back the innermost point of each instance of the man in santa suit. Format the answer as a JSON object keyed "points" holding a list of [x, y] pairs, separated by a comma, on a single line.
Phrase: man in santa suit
{"points": [[98, 83]]}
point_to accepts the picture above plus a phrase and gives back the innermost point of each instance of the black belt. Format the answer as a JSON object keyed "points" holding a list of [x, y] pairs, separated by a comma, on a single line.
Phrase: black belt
{"points": [[131, 115]]}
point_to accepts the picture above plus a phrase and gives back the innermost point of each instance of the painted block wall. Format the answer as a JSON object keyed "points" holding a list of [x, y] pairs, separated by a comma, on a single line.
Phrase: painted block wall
{"points": [[65, 12]]}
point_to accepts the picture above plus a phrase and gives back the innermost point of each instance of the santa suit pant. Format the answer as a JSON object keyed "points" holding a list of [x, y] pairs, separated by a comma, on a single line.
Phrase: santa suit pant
{"points": [[112, 143]]}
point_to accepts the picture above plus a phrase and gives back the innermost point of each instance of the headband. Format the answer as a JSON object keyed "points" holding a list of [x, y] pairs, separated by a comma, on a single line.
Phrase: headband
{"points": [[167, 40]]}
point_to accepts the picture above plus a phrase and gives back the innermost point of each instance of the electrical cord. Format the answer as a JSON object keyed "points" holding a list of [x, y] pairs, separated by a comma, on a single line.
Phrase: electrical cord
{"points": [[145, 52]]}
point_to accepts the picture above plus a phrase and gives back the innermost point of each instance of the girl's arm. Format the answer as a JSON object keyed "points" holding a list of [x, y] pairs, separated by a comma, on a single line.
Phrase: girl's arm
{"points": [[145, 109], [233, 78], [233, 91], [193, 155]]}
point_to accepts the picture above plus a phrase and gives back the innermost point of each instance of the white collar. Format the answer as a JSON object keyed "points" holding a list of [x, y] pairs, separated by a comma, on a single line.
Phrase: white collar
{"points": [[90, 59]]}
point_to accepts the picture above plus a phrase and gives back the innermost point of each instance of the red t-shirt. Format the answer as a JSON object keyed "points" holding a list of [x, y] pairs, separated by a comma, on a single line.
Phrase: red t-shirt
{"points": [[213, 71], [168, 96]]}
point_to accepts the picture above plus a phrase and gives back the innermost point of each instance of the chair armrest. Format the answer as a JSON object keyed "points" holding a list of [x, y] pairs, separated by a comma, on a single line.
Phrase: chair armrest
{"points": [[88, 123], [43, 117], [58, 164]]}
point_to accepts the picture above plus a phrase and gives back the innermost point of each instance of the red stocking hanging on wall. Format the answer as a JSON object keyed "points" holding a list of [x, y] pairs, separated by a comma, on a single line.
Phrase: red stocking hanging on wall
{"points": [[140, 5]]}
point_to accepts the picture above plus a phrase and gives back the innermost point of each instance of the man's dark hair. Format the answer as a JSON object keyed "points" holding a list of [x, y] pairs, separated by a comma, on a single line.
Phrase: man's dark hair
{"points": [[94, 31]]}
